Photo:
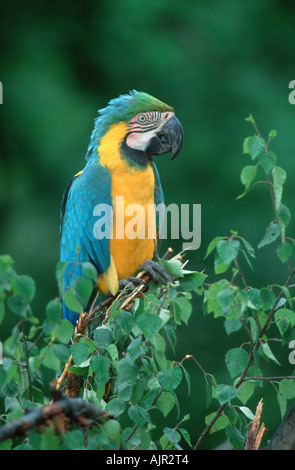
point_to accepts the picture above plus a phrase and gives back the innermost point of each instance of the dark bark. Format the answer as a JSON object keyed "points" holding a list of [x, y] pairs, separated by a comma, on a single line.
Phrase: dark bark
{"points": [[284, 437], [73, 408]]}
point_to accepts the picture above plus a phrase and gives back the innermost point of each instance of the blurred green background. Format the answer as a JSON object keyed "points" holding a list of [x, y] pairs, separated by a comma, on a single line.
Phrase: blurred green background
{"points": [[215, 62]]}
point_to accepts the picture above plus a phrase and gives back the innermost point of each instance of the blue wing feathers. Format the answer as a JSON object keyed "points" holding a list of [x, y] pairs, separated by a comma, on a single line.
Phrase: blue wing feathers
{"points": [[84, 192]]}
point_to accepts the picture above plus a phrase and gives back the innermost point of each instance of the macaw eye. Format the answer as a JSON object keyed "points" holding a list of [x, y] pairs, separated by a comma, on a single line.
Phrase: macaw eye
{"points": [[141, 118]]}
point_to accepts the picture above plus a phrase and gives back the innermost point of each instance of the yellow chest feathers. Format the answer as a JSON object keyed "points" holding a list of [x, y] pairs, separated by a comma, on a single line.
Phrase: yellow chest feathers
{"points": [[134, 229]]}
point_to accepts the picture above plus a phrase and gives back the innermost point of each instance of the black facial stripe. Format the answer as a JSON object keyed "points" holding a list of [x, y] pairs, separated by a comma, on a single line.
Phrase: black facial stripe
{"points": [[153, 120], [143, 128]]}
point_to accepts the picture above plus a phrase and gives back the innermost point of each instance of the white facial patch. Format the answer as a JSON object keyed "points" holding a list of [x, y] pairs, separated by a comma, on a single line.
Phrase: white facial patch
{"points": [[144, 126]]}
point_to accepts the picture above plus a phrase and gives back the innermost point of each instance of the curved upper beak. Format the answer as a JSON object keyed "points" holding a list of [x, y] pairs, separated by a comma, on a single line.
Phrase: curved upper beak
{"points": [[168, 139]]}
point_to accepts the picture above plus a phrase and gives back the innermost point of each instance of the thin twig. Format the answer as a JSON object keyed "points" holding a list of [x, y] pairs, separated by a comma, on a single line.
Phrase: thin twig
{"points": [[74, 408], [237, 264]]}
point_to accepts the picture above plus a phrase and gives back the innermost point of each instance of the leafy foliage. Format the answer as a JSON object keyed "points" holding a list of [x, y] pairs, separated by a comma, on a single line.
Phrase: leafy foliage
{"points": [[122, 363], [265, 314]]}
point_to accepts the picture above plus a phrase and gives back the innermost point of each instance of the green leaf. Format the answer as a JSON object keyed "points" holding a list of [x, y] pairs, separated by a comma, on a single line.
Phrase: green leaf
{"points": [[235, 437], [268, 298], [71, 301], [245, 391], [248, 175], [231, 413], [247, 412], [254, 298], [111, 429], [49, 440], [267, 352], [212, 245], [267, 160], [186, 436], [273, 133], [287, 295], [284, 251], [227, 250], [225, 299], [128, 371], [236, 360], [166, 402], [279, 177], [18, 305], [250, 119], [116, 406], [125, 390], [59, 274], [125, 320], [284, 317], [83, 288], [249, 248], [187, 378], [272, 233], [282, 401], [74, 439], [171, 378], [26, 287], [253, 328], [284, 215], [253, 146], [172, 435], [191, 280], [159, 342], [6, 261], [100, 366], [134, 349], [220, 423], [149, 324], [103, 335], [225, 393], [114, 309], [50, 360], [113, 352], [54, 311], [80, 352], [64, 331], [90, 271], [185, 309], [287, 388], [139, 415], [6, 445], [151, 395], [232, 325], [61, 352], [212, 300], [172, 267]]}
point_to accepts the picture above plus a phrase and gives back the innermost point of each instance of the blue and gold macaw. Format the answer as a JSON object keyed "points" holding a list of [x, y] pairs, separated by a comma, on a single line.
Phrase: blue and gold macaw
{"points": [[120, 162]]}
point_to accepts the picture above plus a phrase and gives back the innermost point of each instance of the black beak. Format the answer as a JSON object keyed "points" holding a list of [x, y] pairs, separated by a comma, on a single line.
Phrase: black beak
{"points": [[168, 139]]}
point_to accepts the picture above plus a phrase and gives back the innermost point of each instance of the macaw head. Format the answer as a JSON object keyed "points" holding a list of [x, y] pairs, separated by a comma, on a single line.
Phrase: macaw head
{"points": [[149, 127]]}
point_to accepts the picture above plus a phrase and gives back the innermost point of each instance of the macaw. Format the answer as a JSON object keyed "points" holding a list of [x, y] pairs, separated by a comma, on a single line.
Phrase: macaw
{"points": [[127, 134]]}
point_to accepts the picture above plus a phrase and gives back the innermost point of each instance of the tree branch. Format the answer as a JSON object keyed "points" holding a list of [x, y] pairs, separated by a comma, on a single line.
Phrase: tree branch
{"points": [[74, 408], [284, 437]]}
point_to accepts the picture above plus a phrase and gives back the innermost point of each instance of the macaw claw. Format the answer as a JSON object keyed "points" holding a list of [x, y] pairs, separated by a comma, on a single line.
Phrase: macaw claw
{"points": [[154, 269], [131, 283]]}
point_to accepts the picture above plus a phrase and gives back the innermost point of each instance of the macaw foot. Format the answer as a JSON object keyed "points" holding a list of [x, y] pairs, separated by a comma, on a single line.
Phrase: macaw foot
{"points": [[131, 283], [154, 269]]}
